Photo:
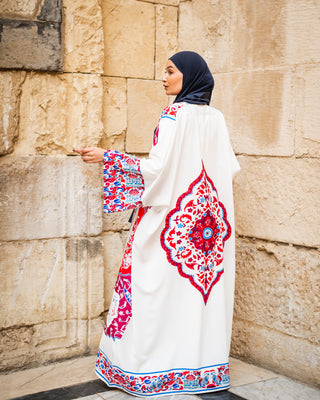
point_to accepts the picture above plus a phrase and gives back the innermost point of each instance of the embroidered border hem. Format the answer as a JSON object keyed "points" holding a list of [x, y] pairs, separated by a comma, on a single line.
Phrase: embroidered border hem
{"points": [[180, 380]]}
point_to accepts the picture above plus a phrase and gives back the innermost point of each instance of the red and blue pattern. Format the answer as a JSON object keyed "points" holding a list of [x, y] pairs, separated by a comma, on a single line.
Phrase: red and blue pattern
{"points": [[123, 181], [169, 112], [206, 379], [195, 233], [120, 311]]}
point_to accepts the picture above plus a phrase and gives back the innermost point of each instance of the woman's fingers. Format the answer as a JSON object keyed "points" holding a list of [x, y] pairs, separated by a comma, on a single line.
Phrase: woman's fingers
{"points": [[91, 154]]}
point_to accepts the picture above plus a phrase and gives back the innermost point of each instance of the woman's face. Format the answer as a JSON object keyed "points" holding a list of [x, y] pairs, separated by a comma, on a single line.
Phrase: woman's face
{"points": [[172, 80]]}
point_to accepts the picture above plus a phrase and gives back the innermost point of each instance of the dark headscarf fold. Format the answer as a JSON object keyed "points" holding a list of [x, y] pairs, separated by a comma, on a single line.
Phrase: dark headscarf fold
{"points": [[198, 83]]}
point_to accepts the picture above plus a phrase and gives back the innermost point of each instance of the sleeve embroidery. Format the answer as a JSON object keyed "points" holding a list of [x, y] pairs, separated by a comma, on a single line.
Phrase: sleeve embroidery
{"points": [[122, 180], [169, 112]]}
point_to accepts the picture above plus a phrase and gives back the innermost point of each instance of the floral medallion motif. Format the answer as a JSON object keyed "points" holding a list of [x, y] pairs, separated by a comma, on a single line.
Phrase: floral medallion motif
{"points": [[195, 233]]}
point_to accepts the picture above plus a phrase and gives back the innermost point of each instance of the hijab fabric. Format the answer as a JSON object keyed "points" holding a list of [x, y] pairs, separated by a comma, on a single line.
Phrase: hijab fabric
{"points": [[198, 83]]}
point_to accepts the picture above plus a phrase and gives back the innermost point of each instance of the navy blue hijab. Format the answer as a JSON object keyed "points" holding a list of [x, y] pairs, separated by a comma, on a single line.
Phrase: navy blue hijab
{"points": [[198, 83]]}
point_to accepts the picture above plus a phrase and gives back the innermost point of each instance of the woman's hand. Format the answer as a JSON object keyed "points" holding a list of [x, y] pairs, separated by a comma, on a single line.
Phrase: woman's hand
{"points": [[91, 155]]}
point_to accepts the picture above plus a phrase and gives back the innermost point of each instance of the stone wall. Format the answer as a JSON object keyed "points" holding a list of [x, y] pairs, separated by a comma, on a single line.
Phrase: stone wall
{"points": [[60, 255], [266, 59]]}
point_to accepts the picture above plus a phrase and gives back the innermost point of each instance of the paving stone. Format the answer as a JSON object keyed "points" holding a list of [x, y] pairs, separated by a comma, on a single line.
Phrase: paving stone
{"points": [[278, 388]]}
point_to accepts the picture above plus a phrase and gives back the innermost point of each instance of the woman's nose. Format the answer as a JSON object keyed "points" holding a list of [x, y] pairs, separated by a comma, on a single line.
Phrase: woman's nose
{"points": [[164, 78]]}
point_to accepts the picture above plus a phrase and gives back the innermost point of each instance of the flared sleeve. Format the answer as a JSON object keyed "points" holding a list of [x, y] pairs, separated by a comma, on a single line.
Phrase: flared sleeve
{"points": [[131, 182], [123, 182]]}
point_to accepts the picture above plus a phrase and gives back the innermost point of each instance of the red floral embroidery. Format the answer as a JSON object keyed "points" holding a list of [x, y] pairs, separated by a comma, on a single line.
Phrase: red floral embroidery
{"points": [[195, 233], [206, 379], [120, 311], [168, 112], [123, 182]]}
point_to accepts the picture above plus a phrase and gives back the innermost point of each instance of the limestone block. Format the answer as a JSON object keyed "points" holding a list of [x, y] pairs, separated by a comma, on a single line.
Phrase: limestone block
{"points": [[84, 45], [116, 221], [20, 8], [94, 334], [51, 10], [302, 31], [308, 112], [114, 113], [146, 100], [204, 27], [129, 30], [165, 2], [259, 110], [44, 197], [48, 342], [16, 349], [30, 45], [166, 36], [112, 255], [10, 94], [273, 350], [278, 287], [275, 199], [258, 33], [59, 113], [84, 261], [69, 281]]}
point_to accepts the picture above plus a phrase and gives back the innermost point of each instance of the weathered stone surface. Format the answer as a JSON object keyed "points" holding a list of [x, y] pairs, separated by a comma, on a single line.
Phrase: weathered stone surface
{"points": [[44, 197], [166, 36], [276, 199], [30, 45], [116, 221], [69, 282], [146, 99], [59, 113], [274, 350], [259, 110], [114, 113], [302, 32], [129, 38], [165, 2], [51, 10], [112, 255], [204, 27], [308, 111], [20, 8], [84, 47], [278, 287], [16, 348], [10, 93], [258, 33]]}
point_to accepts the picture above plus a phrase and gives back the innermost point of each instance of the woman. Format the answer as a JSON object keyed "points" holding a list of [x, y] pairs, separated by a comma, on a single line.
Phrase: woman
{"points": [[169, 325]]}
